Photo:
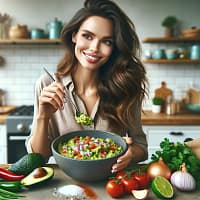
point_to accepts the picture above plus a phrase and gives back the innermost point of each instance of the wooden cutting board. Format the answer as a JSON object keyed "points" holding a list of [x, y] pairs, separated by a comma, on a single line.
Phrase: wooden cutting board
{"points": [[6, 109], [163, 92]]}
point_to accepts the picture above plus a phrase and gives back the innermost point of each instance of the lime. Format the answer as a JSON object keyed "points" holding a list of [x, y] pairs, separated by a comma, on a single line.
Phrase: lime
{"points": [[162, 188]]}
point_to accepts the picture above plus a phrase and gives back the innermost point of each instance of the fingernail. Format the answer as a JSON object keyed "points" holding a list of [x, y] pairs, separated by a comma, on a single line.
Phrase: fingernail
{"points": [[118, 161], [113, 171]]}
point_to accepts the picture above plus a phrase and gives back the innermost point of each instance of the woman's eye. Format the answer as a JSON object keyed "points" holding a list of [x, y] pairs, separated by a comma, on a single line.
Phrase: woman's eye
{"points": [[87, 36], [108, 42]]}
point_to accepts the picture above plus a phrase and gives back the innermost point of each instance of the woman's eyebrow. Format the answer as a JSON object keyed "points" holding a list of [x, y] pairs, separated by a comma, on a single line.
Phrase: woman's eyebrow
{"points": [[89, 32]]}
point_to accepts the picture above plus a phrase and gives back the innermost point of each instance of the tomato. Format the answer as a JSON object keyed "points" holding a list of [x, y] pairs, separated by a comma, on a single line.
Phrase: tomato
{"points": [[130, 184], [115, 188], [142, 178], [120, 175]]}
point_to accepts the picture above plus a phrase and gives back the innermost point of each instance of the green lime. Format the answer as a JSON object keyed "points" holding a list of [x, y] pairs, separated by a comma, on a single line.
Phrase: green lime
{"points": [[162, 188]]}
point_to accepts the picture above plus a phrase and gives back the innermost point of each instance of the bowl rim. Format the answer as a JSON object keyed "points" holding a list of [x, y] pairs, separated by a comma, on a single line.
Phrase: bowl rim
{"points": [[96, 160]]}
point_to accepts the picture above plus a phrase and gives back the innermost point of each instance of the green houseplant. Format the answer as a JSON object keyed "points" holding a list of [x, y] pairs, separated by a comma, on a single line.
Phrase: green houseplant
{"points": [[156, 104], [169, 22]]}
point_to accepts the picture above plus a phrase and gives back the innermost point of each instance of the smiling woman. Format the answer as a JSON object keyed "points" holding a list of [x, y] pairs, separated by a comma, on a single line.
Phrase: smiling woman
{"points": [[102, 75]]}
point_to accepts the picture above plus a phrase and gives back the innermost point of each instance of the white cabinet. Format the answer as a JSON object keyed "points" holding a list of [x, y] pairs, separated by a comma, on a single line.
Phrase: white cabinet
{"points": [[155, 134], [3, 144]]}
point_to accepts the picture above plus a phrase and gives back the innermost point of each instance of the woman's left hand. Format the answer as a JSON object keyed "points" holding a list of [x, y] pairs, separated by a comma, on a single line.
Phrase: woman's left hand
{"points": [[124, 160]]}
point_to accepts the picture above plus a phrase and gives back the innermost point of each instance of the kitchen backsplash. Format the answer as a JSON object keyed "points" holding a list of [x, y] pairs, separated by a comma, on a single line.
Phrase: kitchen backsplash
{"points": [[24, 64]]}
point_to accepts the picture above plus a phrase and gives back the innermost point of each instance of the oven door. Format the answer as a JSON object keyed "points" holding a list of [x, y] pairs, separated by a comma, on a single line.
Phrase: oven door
{"points": [[16, 147]]}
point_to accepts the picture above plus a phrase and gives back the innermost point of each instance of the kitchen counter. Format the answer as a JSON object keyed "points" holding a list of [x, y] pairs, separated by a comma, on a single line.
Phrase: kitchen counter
{"points": [[45, 191], [149, 118]]}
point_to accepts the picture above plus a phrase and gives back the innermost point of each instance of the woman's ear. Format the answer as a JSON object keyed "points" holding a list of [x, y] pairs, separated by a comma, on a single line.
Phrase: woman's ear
{"points": [[74, 37]]}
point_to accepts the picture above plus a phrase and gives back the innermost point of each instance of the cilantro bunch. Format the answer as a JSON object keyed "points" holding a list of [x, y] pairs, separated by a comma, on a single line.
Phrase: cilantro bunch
{"points": [[174, 154]]}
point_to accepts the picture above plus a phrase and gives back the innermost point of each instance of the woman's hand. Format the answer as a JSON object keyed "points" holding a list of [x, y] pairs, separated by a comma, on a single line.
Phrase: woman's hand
{"points": [[124, 160], [51, 99]]}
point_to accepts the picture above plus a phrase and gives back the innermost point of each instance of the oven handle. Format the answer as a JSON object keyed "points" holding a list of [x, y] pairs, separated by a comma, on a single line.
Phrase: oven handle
{"points": [[17, 137]]}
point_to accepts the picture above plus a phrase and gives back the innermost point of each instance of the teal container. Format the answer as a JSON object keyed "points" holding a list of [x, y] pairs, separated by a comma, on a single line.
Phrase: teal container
{"points": [[54, 29], [195, 52]]}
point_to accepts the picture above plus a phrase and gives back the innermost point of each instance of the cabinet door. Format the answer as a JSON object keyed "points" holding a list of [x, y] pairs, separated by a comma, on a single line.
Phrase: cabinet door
{"points": [[155, 134]]}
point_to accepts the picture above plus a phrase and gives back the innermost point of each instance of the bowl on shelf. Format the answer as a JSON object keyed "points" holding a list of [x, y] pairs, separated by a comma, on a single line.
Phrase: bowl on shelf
{"points": [[195, 108], [87, 170]]}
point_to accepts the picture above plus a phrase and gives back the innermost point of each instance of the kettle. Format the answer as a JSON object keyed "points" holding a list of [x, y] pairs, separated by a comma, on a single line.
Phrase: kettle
{"points": [[54, 29]]}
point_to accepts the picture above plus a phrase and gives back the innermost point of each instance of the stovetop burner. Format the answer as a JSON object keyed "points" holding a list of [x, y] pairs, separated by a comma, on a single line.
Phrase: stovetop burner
{"points": [[23, 111]]}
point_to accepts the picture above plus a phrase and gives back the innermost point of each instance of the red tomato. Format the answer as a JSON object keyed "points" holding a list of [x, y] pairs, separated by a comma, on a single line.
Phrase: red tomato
{"points": [[130, 184], [120, 175], [142, 178], [115, 188]]}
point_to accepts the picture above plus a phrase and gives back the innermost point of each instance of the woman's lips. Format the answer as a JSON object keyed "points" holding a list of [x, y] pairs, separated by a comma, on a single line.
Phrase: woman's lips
{"points": [[91, 57]]}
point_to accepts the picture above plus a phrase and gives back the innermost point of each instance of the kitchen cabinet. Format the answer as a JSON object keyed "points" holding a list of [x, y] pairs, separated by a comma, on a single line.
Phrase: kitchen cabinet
{"points": [[3, 144], [171, 40], [176, 133]]}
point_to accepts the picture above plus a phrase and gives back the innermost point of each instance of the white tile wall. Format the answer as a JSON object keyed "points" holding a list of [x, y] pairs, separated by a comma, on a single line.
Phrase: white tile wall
{"points": [[24, 64]]}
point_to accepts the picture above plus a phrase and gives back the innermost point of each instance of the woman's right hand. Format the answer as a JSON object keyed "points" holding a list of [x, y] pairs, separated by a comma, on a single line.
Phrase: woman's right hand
{"points": [[51, 99]]}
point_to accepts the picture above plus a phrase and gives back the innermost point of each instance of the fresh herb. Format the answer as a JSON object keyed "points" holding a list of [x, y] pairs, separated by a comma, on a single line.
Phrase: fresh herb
{"points": [[175, 154]]}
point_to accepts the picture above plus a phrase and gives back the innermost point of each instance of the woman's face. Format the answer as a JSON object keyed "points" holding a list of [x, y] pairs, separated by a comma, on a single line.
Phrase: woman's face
{"points": [[94, 42]]}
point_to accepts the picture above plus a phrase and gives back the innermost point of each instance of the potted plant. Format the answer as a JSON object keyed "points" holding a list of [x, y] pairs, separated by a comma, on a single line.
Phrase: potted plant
{"points": [[156, 104], [169, 22]]}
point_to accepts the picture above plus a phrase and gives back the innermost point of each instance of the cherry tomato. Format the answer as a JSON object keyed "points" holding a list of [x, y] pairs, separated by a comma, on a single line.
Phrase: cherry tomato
{"points": [[142, 178], [130, 184], [115, 188]]}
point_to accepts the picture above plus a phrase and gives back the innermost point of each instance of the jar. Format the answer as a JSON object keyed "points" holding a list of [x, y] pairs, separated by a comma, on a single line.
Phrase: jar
{"points": [[18, 31], [2, 97], [195, 52]]}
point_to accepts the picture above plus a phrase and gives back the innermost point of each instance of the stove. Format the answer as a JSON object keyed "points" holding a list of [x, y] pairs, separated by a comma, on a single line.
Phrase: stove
{"points": [[20, 120], [18, 125]]}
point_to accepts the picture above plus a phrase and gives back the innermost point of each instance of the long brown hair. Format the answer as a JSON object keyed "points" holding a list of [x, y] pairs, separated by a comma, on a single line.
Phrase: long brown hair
{"points": [[123, 82]]}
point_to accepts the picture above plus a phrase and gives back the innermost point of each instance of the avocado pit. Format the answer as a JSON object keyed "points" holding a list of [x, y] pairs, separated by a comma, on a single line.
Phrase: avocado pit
{"points": [[39, 172]]}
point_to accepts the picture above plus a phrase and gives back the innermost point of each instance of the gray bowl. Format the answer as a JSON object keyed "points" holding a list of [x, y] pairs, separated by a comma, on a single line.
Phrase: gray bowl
{"points": [[87, 170]]}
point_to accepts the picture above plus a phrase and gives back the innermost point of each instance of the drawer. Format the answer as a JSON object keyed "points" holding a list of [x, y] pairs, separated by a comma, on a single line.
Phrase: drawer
{"points": [[174, 134]]}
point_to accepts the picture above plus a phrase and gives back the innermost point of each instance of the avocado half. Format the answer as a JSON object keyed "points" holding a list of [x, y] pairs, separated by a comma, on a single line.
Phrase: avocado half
{"points": [[30, 180]]}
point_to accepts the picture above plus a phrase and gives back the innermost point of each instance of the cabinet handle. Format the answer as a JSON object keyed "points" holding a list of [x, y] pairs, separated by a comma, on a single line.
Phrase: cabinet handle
{"points": [[188, 139], [176, 133]]}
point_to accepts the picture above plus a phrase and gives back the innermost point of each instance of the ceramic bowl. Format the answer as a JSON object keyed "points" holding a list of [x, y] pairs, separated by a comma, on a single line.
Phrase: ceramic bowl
{"points": [[87, 170], [195, 108]]}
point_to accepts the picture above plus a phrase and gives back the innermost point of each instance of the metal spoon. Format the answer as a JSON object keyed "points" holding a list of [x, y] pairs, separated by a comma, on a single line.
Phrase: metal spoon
{"points": [[78, 113]]}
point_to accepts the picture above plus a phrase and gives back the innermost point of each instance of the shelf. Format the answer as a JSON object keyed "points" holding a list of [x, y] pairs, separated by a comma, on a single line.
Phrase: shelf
{"points": [[169, 40], [157, 61], [30, 41]]}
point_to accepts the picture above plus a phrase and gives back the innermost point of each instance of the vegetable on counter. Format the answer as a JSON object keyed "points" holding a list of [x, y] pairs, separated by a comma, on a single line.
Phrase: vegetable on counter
{"points": [[158, 168], [183, 180], [175, 154], [4, 195], [13, 186], [9, 176]]}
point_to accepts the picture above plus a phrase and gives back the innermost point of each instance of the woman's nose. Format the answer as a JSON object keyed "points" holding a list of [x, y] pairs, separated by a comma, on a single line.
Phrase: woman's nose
{"points": [[94, 45]]}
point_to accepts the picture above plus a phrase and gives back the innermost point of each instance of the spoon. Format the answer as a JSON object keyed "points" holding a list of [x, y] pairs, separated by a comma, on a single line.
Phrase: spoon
{"points": [[81, 118], [78, 113]]}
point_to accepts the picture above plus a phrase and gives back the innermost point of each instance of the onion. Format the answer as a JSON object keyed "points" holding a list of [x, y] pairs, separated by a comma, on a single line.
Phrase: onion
{"points": [[158, 168], [183, 180]]}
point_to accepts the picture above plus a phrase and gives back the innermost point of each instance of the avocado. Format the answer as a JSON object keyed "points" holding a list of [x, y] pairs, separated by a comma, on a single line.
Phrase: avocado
{"points": [[35, 178], [27, 164]]}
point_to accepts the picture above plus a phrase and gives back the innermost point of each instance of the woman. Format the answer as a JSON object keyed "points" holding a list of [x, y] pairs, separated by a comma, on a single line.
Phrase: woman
{"points": [[102, 75]]}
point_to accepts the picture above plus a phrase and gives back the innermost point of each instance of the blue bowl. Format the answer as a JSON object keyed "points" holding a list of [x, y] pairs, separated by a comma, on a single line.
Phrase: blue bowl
{"points": [[195, 108], [87, 170]]}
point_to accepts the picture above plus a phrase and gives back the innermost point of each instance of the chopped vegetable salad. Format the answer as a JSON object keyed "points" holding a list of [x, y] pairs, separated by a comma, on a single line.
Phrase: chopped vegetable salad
{"points": [[89, 148]]}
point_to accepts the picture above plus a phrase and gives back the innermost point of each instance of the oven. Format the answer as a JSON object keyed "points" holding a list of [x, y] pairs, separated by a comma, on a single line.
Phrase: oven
{"points": [[18, 124]]}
